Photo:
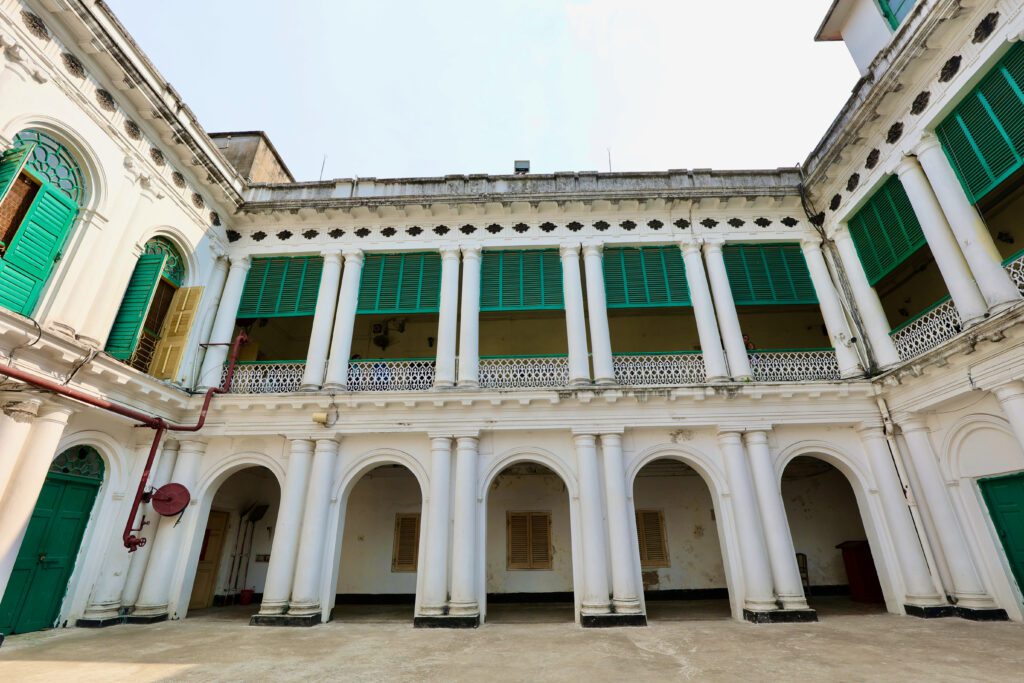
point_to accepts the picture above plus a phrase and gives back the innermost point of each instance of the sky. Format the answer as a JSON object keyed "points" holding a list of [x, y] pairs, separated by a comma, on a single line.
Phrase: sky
{"points": [[403, 88]]}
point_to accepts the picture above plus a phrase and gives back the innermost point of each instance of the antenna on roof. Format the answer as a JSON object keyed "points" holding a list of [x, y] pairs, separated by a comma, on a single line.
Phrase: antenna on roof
{"points": [[322, 167], [609, 149]]}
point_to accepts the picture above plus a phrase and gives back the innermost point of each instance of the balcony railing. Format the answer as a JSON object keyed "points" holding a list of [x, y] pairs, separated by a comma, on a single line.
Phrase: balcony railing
{"points": [[267, 377], [659, 369], [794, 365], [379, 374], [523, 372], [931, 328], [1015, 267]]}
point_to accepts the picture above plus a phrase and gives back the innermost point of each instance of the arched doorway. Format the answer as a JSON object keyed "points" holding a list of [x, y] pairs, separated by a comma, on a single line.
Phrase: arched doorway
{"points": [[681, 555], [528, 549], [829, 539], [52, 542], [380, 547], [235, 550]]}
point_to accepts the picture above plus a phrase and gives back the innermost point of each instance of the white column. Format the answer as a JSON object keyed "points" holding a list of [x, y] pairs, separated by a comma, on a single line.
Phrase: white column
{"points": [[625, 593], [1011, 399], [435, 562], [16, 414], [575, 320], [597, 310], [447, 318], [212, 295], [595, 568], [305, 600], [344, 322], [872, 315], [170, 537], [224, 324], [757, 573], [967, 584], [725, 309], [469, 319], [781, 554], [323, 322], [704, 313], [284, 550], [913, 564], [831, 310], [19, 502], [140, 558], [968, 226], [464, 597], [948, 257]]}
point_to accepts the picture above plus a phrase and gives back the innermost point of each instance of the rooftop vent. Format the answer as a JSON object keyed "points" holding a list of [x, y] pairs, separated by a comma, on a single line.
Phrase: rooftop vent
{"points": [[522, 167]]}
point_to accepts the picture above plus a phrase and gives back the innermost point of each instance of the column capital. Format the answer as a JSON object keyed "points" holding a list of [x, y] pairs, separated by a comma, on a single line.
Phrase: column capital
{"points": [[450, 252], [353, 256], [439, 442], [300, 444], [471, 253], [609, 438], [331, 256], [756, 437], [192, 445], [1009, 391], [908, 164], [592, 248], [171, 446], [870, 430], [584, 439], [22, 409], [730, 435], [327, 445], [810, 243], [690, 245], [571, 250], [910, 423], [467, 442], [928, 142], [242, 261], [713, 244]]}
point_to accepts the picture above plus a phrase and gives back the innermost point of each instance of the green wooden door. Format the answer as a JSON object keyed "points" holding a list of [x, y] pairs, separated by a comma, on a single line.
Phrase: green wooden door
{"points": [[1005, 499], [47, 555]]}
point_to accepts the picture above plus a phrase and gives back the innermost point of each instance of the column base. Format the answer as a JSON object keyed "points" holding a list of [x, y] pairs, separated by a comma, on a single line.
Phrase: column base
{"points": [[781, 616], [982, 614], [335, 387], [100, 623], [743, 378], [467, 609], [89, 341], [605, 382], [145, 618], [468, 384], [612, 620], [578, 382], [930, 611], [284, 620], [309, 387], [973, 322], [446, 621], [444, 384], [718, 379], [631, 606]]}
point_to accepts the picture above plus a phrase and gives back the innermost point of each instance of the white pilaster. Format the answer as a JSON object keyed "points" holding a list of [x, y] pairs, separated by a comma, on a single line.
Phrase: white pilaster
{"points": [[464, 598], [597, 310], [625, 593], [435, 562], [211, 303], [725, 310], [447, 318], [224, 325], [305, 600], [16, 414], [831, 310], [595, 553], [575, 320], [344, 322], [1011, 399], [704, 312], [323, 322], [469, 319]]}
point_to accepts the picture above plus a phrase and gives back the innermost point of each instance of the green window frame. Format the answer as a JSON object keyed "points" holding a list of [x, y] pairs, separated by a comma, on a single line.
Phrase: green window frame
{"points": [[407, 282], [645, 277], [281, 287], [886, 231], [768, 274], [895, 11], [983, 137], [521, 280]]}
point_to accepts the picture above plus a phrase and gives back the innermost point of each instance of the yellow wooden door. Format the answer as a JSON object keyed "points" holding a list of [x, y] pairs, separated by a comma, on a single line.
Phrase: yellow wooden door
{"points": [[209, 560]]}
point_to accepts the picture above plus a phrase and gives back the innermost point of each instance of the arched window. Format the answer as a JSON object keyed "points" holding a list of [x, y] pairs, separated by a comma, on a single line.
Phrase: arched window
{"points": [[41, 188]]}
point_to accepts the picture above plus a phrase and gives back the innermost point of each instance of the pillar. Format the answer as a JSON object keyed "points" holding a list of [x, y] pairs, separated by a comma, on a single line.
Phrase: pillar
{"points": [[469, 319], [921, 598], [575, 320], [832, 310], [277, 589], [305, 600], [704, 313], [872, 315], [779, 540], [435, 563], [757, 573], [595, 554], [597, 310], [970, 230], [625, 591], [224, 324], [464, 532], [323, 322], [447, 318], [16, 414], [344, 322], [20, 500], [948, 257], [725, 309], [211, 296], [967, 585], [1011, 399]]}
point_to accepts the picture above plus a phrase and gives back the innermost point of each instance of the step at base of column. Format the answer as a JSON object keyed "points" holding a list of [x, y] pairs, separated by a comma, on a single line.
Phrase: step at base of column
{"points": [[931, 611], [994, 614], [472, 621], [284, 620], [612, 620], [101, 623], [781, 616], [145, 619]]}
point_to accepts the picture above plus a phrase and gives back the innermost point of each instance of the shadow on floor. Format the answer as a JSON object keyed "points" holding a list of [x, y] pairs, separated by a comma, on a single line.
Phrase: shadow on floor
{"points": [[688, 610], [373, 614], [231, 613], [531, 613], [842, 606]]}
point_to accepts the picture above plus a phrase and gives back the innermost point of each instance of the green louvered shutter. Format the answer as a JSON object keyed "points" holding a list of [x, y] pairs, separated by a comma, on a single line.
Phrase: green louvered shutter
{"points": [[645, 277], [11, 164], [400, 283], [26, 265], [886, 231], [983, 137], [768, 274], [521, 280], [895, 11], [281, 287], [127, 328]]}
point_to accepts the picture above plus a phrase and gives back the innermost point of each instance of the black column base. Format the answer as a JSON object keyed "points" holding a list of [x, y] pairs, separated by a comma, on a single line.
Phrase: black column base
{"points": [[1, 640], [993, 614], [781, 616], [284, 620], [930, 612], [612, 620], [99, 623], [147, 619], [446, 621]]}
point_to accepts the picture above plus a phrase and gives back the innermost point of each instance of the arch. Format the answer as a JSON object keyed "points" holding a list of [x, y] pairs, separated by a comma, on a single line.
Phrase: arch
{"points": [[211, 480], [375, 458], [181, 242], [952, 444], [704, 466], [528, 454], [53, 162], [856, 474], [109, 448]]}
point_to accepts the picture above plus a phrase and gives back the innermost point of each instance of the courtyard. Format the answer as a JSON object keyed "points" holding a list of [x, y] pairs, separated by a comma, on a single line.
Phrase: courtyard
{"points": [[526, 642]]}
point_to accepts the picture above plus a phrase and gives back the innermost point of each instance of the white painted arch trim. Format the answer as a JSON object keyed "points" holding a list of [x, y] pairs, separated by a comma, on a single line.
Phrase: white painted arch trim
{"points": [[538, 456]]}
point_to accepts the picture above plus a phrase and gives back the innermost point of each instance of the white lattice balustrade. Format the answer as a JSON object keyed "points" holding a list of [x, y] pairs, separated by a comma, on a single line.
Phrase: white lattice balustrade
{"points": [[794, 366], [647, 370], [266, 378], [1015, 267], [527, 372], [391, 375], [927, 331]]}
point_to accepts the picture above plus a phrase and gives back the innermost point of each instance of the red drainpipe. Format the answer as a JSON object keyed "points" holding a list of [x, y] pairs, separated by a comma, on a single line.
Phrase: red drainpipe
{"points": [[131, 541]]}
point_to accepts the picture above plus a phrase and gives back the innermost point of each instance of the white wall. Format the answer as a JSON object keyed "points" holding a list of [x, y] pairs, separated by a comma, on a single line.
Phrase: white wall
{"points": [[865, 32], [255, 485]]}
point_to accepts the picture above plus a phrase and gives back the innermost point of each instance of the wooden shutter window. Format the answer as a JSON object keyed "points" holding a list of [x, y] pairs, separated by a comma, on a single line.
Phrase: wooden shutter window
{"points": [[174, 333], [400, 283], [521, 280], [124, 335], [650, 533], [405, 554], [529, 540], [768, 274], [280, 287], [645, 277], [886, 231]]}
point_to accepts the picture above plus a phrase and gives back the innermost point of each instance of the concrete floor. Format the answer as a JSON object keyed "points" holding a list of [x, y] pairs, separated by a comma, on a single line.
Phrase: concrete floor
{"points": [[850, 643]]}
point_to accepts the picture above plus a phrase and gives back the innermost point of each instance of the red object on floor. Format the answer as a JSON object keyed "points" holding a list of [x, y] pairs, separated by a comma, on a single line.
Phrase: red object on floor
{"points": [[860, 572], [245, 597]]}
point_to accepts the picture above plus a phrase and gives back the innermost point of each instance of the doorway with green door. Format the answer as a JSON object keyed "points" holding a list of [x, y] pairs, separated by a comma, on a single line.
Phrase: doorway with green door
{"points": [[52, 541], [1004, 497]]}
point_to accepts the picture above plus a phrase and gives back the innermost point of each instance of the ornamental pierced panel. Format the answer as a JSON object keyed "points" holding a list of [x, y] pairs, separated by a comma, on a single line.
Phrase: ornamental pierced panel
{"points": [[653, 370], [602, 225], [35, 25], [524, 372], [790, 222], [310, 234], [391, 375], [655, 224], [174, 265], [362, 232], [872, 159], [54, 162], [950, 69], [197, 200], [894, 133], [927, 331], [265, 378], [441, 230], [574, 226], [794, 366], [336, 233], [493, 228], [389, 232], [233, 235], [178, 179], [214, 218], [73, 65], [157, 156], [79, 461], [709, 223], [682, 224], [105, 100], [522, 227], [920, 102], [547, 226], [984, 29], [1016, 270], [133, 131], [414, 231]]}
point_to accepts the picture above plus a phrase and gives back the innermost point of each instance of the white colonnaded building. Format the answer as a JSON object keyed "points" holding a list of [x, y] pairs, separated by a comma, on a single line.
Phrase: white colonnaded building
{"points": [[752, 387]]}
